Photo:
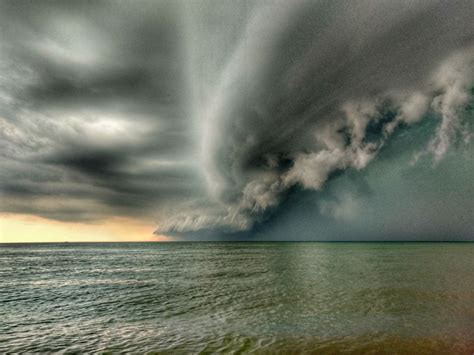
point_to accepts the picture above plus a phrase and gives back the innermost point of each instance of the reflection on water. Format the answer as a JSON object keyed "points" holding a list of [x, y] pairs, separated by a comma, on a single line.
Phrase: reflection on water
{"points": [[329, 297]]}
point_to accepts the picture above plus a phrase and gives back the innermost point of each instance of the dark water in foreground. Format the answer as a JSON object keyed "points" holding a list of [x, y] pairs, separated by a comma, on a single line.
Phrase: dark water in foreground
{"points": [[191, 297]]}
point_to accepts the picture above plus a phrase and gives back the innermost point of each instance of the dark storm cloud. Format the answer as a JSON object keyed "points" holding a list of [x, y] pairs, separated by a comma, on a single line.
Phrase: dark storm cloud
{"points": [[93, 109], [314, 88], [209, 116]]}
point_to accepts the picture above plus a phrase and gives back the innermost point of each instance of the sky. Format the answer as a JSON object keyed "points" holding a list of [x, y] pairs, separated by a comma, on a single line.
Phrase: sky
{"points": [[236, 120]]}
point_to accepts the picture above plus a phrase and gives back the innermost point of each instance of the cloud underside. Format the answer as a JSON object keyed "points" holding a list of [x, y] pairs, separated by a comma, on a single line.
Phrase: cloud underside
{"points": [[216, 116]]}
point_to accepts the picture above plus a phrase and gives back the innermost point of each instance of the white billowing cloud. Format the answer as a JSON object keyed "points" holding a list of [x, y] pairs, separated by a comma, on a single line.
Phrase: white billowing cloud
{"points": [[413, 108], [312, 170], [454, 80]]}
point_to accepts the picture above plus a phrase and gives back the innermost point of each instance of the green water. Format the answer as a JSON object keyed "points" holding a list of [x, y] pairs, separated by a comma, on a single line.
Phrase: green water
{"points": [[217, 297]]}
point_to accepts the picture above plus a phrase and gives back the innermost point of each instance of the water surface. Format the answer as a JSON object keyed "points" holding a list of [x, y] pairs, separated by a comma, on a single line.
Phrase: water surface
{"points": [[191, 297]]}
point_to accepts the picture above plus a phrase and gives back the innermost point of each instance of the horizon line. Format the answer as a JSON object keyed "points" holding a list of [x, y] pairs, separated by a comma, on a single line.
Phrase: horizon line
{"points": [[244, 241]]}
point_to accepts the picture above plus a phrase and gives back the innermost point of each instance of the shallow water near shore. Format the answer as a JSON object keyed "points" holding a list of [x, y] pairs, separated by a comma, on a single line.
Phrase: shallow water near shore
{"points": [[237, 297]]}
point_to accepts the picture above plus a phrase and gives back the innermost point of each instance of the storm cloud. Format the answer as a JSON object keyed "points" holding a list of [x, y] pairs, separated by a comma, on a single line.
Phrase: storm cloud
{"points": [[315, 88], [233, 116], [93, 109]]}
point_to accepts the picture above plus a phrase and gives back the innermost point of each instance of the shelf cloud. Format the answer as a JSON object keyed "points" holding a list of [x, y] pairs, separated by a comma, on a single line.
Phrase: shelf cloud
{"points": [[316, 88]]}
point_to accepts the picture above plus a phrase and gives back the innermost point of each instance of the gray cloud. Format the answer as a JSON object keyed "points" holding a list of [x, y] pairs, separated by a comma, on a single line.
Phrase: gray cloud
{"points": [[93, 110], [211, 116], [313, 88]]}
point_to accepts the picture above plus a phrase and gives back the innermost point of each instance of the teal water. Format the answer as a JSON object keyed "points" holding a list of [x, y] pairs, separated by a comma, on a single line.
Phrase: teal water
{"points": [[191, 297]]}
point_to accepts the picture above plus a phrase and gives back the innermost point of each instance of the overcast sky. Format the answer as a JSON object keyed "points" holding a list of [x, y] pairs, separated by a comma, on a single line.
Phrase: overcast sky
{"points": [[241, 119]]}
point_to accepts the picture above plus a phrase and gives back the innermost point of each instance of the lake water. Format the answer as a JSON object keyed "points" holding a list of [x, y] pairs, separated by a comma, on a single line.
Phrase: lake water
{"points": [[193, 297]]}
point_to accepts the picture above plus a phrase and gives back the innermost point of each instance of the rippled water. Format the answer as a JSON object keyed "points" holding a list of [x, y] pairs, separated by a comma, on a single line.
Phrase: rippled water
{"points": [[190, 297]]}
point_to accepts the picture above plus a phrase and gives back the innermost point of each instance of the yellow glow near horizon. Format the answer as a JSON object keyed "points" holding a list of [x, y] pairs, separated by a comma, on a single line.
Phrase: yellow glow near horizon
{"points": [[18, 228]]}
